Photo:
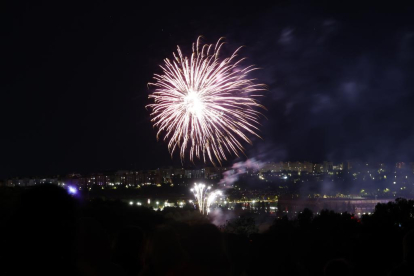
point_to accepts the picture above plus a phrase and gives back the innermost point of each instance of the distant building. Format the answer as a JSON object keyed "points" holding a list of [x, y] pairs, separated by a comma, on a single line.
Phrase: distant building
{"points": [[272, 167], [26, 182], [150, 177], [179, 172], [211, 173], [307, 167], [348, 165], [400, 165], [287, 166], [327, 166], [317, 168], [194, 174], [73, 180], [338, 167]]}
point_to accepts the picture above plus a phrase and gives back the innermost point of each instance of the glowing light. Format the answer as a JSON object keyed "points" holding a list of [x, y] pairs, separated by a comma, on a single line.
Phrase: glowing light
{"points": [[130, 203], [72, 190], [205, 197], [205, 103]]}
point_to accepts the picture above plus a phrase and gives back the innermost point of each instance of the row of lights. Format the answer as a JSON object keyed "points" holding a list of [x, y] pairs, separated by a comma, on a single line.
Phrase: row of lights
{"points": [[149, 201]]}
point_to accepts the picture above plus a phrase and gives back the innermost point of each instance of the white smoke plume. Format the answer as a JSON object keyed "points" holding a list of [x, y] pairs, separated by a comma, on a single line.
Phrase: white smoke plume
{"points": [[239, 168]]}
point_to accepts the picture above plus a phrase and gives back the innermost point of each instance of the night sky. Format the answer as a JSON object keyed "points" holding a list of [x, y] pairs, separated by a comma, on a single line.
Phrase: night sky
{"points": [[74, 81]]}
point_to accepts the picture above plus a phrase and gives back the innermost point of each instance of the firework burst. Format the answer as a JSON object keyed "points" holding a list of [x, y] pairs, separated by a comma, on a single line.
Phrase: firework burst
{"points": [[205, 197], [205, 104]]}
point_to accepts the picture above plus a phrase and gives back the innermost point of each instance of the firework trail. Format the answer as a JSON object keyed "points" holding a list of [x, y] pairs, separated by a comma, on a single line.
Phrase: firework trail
{"points": [[205, 197], [205, 104]]}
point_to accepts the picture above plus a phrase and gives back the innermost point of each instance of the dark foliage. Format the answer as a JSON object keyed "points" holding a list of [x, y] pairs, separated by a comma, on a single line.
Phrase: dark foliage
{"points": [[47, 232]]}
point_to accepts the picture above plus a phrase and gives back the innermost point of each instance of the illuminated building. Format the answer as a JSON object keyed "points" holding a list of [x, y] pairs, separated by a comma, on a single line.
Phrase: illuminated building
{"points": [[400, 165], [327, 166]]}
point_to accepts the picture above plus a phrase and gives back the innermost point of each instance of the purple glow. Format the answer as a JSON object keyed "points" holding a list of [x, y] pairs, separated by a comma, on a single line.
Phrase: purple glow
{"points": [[72, 190]]}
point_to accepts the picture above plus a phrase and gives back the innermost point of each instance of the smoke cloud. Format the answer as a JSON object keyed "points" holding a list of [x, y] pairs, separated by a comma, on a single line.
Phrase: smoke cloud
{"points": [[239, 168]]}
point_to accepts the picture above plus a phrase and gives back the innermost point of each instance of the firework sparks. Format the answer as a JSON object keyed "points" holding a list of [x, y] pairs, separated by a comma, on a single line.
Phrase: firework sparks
{"points": [[205, 104], [205, 197]]}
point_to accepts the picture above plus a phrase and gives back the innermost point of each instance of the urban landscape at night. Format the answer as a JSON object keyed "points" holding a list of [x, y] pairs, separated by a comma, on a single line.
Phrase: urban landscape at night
{"points": [[233, 138], [352, 187]]}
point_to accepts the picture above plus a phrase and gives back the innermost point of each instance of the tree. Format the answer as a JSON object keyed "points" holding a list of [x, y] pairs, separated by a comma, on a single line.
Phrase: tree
{"points": [[241, 226]]}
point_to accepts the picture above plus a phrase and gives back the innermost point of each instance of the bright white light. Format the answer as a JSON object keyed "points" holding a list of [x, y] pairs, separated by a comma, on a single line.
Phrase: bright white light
{"points": [[72, 190], [194, 104], [130, 203], [205, 197]]}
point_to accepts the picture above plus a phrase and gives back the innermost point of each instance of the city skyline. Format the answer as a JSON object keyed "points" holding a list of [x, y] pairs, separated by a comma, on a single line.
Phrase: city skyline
{"points": [[217, 173]]}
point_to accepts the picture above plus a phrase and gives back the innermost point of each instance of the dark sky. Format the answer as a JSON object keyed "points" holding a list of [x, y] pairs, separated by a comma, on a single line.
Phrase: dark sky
{"points": [[74, 79]]}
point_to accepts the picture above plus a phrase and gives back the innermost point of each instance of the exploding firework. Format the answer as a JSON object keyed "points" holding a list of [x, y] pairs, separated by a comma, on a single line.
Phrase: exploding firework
{"points": [[205, 197], [205, 104]]}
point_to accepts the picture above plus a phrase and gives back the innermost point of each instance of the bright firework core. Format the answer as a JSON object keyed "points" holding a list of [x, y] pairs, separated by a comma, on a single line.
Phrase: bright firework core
{"points": [[205, 103], [194, 104], [205, 197]]}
